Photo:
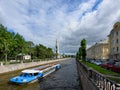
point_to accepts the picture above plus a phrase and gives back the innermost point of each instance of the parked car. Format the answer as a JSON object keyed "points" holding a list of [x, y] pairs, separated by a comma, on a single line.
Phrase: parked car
{"points": [[108, 65], [116, 67], [98, 62], [90, 60]]}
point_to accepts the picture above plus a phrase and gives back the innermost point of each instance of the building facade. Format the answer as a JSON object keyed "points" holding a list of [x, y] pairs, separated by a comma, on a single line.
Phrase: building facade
{"points": [[21, 56], [114, 40], [99, 51]]}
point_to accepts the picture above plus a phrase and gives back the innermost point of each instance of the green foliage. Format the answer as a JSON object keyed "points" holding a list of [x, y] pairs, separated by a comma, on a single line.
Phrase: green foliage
{"points": [[5, 42], [117, 80], [31, 48], [81, 54], [77, 56], [12, 44], [83, 49], [103, 71], [18, 45], [43, 52], [100, 69]]}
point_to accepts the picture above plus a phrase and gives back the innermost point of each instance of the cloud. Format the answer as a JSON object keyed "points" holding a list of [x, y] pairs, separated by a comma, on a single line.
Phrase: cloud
{"points": [[94, 25], [42, 21]]}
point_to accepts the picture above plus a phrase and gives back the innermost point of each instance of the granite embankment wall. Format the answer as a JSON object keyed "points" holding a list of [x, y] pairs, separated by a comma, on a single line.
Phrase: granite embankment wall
{"points": [[13, 67]]}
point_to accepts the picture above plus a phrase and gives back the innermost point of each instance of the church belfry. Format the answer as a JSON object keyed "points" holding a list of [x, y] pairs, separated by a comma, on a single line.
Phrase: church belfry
{"points": [[57, 48]]}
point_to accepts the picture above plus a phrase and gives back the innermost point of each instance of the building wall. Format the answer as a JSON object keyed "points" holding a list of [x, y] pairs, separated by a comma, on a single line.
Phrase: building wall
{"points": [[26, 57], [98, 51], [91, 52], [114, 39]]}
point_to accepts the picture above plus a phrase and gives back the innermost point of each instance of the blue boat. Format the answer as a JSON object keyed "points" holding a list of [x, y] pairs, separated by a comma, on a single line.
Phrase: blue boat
{"points": [[49, 70], [31, 75]]}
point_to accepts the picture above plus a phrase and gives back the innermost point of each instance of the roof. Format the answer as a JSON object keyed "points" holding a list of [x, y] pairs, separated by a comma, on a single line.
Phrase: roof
{"points": [[30, 71], [115, 27], [104, 41], [117, 24]]}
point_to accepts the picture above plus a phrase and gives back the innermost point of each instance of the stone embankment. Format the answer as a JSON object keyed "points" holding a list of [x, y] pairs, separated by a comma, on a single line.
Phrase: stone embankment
{"points": [[86, 83], [93, 80], [13, 67]]}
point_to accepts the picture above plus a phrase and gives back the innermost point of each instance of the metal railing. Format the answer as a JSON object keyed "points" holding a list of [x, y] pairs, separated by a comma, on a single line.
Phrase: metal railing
{"points": [[99, 80], [24, 61]]}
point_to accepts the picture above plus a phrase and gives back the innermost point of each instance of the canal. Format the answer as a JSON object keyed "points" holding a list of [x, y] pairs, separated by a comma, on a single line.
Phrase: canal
{"points": [[65, 78]]}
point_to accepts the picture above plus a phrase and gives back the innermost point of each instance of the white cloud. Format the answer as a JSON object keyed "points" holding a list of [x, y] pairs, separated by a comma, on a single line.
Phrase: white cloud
{"points": [[94, 25], [41, 21]]}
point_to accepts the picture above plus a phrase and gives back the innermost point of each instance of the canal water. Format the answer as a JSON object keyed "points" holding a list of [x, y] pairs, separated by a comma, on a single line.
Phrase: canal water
{"points": [[65, 78]]}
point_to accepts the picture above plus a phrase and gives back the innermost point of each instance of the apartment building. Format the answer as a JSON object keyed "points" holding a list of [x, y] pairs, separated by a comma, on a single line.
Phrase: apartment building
{"points": [[99, 50], [114, 40]]}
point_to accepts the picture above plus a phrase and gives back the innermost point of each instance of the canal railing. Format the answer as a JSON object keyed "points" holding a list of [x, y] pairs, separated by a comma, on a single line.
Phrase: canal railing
{"points": [[99, 80]]}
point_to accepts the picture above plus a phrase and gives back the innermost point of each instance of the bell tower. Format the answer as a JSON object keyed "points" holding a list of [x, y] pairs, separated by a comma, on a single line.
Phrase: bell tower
{"points": [[57, 48]]}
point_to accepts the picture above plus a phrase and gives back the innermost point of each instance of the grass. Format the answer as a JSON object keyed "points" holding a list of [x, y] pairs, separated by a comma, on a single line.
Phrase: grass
{"points": [[103, 71], [115, 79], [100, 69]]}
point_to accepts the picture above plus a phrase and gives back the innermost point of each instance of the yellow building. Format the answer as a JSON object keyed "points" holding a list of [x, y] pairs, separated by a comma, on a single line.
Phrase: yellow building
{"points": [[99, 51], [114, 40], [91, 52]]}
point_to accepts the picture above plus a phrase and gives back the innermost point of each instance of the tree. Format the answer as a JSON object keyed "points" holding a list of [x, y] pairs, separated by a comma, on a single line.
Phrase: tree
{"points": [[30, 48], [50, 53], [21, 44], [12, 44], [81, 54], [5, 41], [43, 52], [77, 56], [83, 49]]}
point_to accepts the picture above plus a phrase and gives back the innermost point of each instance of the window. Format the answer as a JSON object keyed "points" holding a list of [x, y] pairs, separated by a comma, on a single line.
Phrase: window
{"points": [[114, 42], [117, 33], [35, 74], [117, 49], [113, 49], [24, 74], [117, 40], [114, 34]]}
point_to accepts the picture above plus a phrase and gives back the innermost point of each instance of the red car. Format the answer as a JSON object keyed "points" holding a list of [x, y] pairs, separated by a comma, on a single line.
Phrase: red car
{"points": [[116, 67], [108, 65]]}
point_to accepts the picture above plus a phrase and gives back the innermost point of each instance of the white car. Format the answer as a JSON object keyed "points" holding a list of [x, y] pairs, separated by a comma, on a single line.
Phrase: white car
{"points": [[97, 62]]}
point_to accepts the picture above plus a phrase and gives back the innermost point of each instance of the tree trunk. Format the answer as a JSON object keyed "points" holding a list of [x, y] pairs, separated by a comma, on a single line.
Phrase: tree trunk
{"points": [[5, 58], [5, 53]]}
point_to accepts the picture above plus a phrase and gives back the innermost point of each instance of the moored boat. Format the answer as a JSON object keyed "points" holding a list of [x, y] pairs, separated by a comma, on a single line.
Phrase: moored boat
{"points": [[30, 75]]}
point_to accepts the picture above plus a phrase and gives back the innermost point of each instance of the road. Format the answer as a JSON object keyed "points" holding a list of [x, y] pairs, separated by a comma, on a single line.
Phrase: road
{"points": [[65, 78]]}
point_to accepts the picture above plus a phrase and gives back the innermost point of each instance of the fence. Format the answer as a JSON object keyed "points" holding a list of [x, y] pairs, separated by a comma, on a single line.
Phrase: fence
{"points": [[24, 61], [99, 80]]}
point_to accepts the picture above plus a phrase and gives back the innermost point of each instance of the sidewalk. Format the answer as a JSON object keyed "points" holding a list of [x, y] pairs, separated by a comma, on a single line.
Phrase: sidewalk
{"points": [[87, 84]]}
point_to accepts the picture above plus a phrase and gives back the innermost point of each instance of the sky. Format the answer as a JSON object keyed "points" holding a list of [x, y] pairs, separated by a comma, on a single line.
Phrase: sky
{"points": [[42, 21]]}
